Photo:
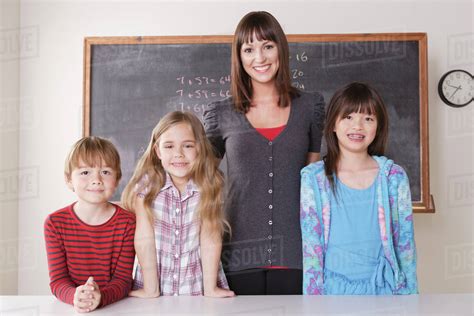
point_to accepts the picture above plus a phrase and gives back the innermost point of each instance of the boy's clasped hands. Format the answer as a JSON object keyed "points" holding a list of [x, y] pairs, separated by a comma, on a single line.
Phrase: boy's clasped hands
{"points": [[87, 297]]}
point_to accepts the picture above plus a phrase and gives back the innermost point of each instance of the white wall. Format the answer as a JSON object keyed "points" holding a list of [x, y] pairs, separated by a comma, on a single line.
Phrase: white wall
{"points": [[9, 135], [52, 81]]}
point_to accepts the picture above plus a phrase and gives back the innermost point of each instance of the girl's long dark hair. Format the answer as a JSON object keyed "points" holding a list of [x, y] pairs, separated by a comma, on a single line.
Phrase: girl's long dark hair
{"points": [[355, 97]]}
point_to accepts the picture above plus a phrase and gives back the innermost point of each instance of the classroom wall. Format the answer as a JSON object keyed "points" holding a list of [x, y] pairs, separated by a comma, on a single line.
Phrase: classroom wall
{"points": [[9, 144], [51, 82]]}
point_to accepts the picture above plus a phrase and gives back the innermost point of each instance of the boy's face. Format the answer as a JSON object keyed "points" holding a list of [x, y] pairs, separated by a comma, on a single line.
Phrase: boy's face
{"points": [[93, 185]]}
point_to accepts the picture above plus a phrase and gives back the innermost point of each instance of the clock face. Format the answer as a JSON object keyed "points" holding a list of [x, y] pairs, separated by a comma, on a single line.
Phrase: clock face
{"points": [[456, 88]]}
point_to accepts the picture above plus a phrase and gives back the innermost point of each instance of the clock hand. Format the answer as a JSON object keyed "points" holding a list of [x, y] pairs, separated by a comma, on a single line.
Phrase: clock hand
{"points": [[451, 85], [457, 88]]}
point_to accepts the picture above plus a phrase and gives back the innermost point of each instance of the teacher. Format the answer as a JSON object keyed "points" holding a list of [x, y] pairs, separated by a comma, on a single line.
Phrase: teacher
{"points": [[268, 131]]}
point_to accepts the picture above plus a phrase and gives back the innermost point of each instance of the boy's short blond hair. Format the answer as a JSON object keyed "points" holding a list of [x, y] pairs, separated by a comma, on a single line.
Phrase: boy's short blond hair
{"points": [[92, 150]]}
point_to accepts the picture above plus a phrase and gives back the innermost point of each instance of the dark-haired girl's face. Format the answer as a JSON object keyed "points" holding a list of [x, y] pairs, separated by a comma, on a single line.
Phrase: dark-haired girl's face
{"points": [[260, 60], [355, 132]]}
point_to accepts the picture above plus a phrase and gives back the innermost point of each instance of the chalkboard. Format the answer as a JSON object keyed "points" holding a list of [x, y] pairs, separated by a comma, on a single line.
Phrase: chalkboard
{"points": [[131, 82]]}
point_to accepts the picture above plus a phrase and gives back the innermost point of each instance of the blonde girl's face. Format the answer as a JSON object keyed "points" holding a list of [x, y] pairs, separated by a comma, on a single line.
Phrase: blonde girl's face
{"points": [[260, 60], [355, 132], [177, 150]]}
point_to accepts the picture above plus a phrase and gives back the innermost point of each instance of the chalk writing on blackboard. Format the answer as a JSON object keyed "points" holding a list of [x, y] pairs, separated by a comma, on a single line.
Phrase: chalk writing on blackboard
{"points": [[130, 84]]}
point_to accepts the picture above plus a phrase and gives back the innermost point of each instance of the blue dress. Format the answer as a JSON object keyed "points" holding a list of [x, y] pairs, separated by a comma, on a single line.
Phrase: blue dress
{"points": [[354, 262]]}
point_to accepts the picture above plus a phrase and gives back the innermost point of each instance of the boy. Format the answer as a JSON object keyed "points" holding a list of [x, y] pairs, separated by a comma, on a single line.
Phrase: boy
{"points": [[90, 243]]}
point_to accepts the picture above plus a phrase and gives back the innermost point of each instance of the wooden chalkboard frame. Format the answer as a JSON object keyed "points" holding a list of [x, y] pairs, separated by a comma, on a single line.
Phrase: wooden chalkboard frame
{"points": [[424, 205]]}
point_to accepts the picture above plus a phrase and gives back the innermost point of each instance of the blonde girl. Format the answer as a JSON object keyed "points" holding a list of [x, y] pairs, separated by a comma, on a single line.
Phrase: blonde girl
{"points": [[356, 213], [175, 192]]}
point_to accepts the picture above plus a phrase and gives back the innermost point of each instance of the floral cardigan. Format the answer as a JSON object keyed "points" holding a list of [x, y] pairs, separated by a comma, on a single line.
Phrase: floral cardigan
{"points": [[395, 221]]}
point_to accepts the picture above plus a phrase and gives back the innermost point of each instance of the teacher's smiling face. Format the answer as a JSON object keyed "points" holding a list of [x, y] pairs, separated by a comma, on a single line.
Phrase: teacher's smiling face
{"points": [[260, 60]]}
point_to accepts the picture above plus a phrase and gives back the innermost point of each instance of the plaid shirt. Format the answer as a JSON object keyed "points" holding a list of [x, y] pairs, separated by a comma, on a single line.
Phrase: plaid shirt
{"points": [[177, 228]]}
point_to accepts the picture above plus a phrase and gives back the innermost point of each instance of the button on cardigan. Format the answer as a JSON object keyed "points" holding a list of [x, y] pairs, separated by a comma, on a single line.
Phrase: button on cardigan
{"points": [[263, 181]]}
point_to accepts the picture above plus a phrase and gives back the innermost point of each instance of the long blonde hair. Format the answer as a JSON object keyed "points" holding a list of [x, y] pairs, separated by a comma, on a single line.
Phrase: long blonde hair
{"points": [[205, 173]]}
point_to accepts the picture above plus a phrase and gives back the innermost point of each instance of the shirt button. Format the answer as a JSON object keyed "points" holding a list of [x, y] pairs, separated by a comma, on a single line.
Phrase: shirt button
{"points": [[269, 261], [270, 158], [270, 223], [270, 191], [176, 232], [270, 206], [177, 210], [175, 276], [269, 236], [270, 174], [269, 250], [270, 143], [175, 294], [176, 255]]}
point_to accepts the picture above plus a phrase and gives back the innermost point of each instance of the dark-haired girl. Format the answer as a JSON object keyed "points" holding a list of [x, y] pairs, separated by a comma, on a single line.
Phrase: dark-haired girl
{"points": [[356, 209], [268, 131]]}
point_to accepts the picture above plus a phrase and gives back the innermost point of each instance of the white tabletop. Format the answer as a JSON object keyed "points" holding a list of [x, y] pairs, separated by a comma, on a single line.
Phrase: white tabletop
{"points": [[436, 304]]}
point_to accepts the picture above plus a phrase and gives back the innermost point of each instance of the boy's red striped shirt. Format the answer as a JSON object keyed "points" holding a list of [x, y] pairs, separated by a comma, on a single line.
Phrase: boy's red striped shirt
{"points": [[77, 250]]}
